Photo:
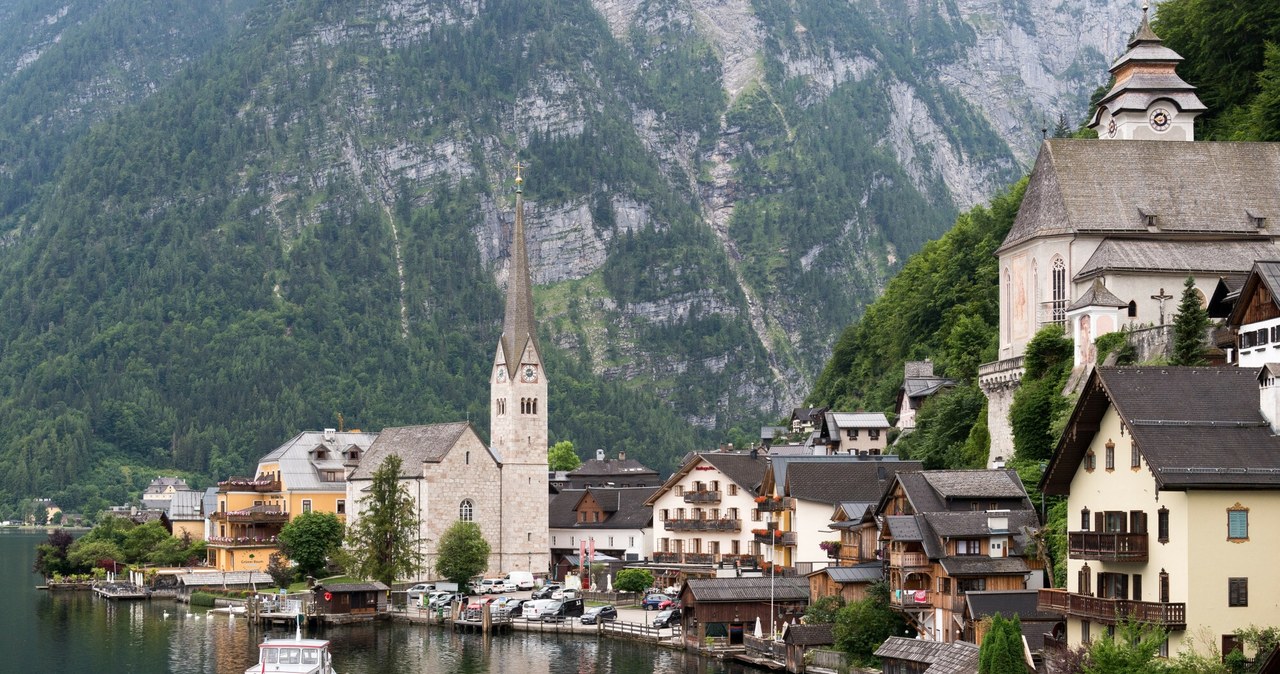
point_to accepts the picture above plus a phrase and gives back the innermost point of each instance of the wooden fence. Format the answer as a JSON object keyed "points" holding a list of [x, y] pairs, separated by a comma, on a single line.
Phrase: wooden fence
{"points": [[635, 631], [834, 660]]}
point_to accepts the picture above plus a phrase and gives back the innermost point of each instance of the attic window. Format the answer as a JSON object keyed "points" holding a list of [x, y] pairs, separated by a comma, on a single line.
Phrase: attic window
{"points": [[1148, 220], [1258, 221], [1090, 461]]}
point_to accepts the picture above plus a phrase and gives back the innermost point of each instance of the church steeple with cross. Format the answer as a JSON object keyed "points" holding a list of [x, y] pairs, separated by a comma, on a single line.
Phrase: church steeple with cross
{"points": [[518, 414]]}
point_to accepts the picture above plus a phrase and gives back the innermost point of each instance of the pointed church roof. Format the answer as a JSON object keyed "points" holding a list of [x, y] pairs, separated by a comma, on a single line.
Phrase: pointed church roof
{"points": [[518, 329], [1097, 296], [1145, 73]]}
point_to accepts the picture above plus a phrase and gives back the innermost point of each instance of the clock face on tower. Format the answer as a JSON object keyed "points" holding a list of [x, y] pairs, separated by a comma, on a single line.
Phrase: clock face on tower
{"points": [[528, 374], [1111, 128], [1159, 119], [502, 373]]}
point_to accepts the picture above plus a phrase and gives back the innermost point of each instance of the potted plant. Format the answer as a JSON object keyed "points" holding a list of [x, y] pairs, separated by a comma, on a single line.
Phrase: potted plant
{"points": [[832, 548]]}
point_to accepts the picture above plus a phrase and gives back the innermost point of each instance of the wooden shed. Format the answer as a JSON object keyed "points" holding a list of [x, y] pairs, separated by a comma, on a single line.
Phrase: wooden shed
{"points": [[351, 598], [801, 638], [727, 608]]}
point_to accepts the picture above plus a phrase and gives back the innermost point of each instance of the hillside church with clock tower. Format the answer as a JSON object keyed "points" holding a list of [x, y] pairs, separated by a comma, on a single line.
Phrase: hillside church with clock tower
{"points": [[452, 475]]}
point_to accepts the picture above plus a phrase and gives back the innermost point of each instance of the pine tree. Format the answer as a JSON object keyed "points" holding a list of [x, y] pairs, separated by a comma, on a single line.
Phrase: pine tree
{"points": [[1189, 327], [382, 541], [1001, 650]]}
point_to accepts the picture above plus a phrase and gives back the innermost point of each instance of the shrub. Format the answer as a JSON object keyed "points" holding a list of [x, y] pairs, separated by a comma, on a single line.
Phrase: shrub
{"points": [[202, 599]]}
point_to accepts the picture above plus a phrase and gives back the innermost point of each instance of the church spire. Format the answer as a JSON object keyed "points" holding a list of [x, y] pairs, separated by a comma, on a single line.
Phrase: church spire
{"points": [[1148, 100], [518, 329]]}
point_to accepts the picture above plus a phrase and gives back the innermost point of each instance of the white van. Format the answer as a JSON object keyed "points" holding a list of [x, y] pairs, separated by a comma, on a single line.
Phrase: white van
{"points": [[522, 580], [533, 609]]}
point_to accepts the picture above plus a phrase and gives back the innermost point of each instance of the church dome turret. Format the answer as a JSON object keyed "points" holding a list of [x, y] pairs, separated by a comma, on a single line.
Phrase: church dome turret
{"points": [[1149, 101]]}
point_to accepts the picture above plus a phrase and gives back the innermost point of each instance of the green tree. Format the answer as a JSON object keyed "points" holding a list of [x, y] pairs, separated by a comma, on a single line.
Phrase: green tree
{"points": [[1001, 650], [464, 553], [381, 544], [143, 540], [281, 573], [1038, 400], [85, 555], [1133, 649], [862, 626], [824, 610], [310, 539], [562, 457], [1189, 327], [51, 556], [633, 580]]}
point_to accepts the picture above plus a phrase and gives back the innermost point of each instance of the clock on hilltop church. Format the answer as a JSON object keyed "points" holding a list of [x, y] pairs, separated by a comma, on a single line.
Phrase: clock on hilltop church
{"points": [[529, 374]]}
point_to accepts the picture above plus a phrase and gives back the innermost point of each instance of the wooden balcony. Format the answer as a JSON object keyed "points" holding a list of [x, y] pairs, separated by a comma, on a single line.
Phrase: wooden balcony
{"points": [[703, 525], [909, 599], [1112, 611], [702, 497], [769, 536], [775, 505], [249, 484], [905, 560], [243, 541], [1107, 547], [252, 516]]}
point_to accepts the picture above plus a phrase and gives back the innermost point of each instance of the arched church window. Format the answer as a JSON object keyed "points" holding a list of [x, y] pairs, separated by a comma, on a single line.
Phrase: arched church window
{"points": [[533, 406], [466, 510], [1133, 309], [1059, 289]]}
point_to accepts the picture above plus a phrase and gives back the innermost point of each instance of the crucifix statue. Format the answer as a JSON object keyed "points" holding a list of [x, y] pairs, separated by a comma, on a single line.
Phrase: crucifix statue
{"points": [[1162, 297]]}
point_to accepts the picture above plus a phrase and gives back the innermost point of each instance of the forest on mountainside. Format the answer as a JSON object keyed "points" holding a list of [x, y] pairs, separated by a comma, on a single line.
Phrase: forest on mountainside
{"points": [[943, 304]]}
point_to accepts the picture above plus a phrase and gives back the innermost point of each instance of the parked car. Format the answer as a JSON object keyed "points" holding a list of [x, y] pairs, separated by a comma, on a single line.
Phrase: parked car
{"points": [[509, 585], [559, 611], [546, 591], [415, 593], [654, 601], [566, 593], [490, 586], [667, 618], [513, 608], [599, 614], [532, 610], [445, 600]]}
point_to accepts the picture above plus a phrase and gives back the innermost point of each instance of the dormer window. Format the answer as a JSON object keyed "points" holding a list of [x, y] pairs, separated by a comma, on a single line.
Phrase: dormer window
{"points": [[1257, 221], [1148, 220]]}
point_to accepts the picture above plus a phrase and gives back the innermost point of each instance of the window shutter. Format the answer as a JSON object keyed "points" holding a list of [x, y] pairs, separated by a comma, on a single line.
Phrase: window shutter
{"points": [[1137, 587]]}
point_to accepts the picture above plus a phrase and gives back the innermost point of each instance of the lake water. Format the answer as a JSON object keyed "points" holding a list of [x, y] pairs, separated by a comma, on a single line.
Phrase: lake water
{"points": [[78, 632]]}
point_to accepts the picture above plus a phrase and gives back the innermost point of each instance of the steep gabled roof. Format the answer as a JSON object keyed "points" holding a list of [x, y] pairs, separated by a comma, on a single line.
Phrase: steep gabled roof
{"points": [[296, 458], [1106, 187], [1196, 427], [761, 588], [518, 330], [415, 445], [957, 657], [996, 483], [1097, 296], [1264, 274], [835, 481], [868, 572], [810, 635], [745, 470]]}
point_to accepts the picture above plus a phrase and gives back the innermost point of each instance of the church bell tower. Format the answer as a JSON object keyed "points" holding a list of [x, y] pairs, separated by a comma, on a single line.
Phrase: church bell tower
{"points": [[518, 416]]}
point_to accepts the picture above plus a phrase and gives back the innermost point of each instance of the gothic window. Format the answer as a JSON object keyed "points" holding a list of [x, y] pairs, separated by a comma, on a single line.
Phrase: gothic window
{"points": [[1135, 458], [535, 406], [1133, 309], [1090, 461], [1111, 455], [466, 510], [1059, 289]]}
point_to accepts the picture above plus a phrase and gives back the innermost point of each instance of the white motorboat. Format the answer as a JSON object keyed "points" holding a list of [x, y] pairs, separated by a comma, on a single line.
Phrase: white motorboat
{"points": [[293, 656]]}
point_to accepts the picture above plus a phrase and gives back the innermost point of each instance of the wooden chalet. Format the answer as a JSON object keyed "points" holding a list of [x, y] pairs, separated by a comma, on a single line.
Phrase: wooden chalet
{"points": [[949, 532]]}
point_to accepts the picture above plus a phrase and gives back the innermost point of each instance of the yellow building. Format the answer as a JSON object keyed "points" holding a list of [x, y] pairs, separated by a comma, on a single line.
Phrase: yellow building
{"points": [[306, 474], [1171, 476]]}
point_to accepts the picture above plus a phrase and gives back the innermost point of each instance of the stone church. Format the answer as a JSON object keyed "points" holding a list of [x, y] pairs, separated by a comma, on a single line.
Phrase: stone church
{"points": [[1109, 229], [451, 474]]}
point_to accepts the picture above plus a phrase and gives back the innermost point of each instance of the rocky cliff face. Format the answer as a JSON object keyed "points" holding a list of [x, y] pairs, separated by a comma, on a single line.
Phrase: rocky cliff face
{"points": [[718, 186]]}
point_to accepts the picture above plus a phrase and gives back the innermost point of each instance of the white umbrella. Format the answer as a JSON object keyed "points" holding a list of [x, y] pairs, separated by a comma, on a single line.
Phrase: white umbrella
{"points": [[608, 583], [759, 632]]}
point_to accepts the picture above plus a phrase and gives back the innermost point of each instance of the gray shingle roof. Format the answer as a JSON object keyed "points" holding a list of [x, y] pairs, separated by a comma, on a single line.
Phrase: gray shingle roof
{"points": [[974, 523], [745, 471], [1099, 186], [857, 420], [976, 483], [810, 635], [1097, 296], [296, 458], [919, 387], [415, 445], [1178, 258], [833, 482], [187, 505], [1007, 603], [861, 573], [787, 588], [903, 527], [375, 586], [619, 467], [957, 657], [780, 465], [1196, 427]]}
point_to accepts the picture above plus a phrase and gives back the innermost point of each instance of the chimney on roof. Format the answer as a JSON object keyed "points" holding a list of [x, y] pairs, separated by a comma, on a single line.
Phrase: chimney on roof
{"points": [[599, 455], [329, 434]]}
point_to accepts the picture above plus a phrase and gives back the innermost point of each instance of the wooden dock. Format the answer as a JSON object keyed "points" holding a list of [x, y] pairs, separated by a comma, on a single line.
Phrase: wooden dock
{"points": [[119, 591]]}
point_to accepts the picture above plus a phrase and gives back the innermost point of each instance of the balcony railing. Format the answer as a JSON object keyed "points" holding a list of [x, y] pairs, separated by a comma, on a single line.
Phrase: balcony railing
{"points": [[908, 559], [252, 516], [699, 558], [912, 598], [768, 536], [243, 541], [745, 561], [1108, 547], [1112, 611], [702, 497], [775, 505], [788, 538], [260, 486], [703, 525]]}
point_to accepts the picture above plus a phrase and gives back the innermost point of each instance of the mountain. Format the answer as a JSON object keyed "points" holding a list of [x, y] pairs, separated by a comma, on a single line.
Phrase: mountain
{"points": [[224, 222]]}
